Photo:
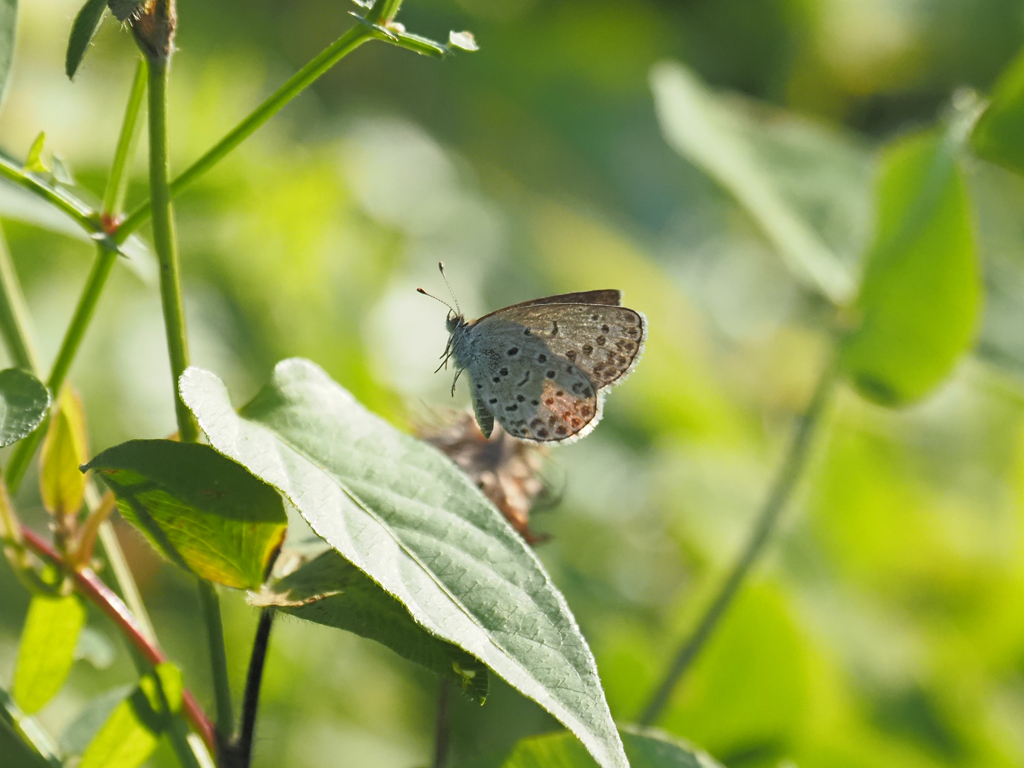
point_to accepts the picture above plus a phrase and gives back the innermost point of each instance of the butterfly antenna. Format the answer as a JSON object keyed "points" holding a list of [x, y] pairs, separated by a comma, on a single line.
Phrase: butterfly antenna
{"points": [[420, 290], [440, 266]]}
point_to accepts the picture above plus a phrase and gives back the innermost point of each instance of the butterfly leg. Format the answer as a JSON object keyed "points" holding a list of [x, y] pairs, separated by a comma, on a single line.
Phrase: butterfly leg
{"points": [[456, 380]]}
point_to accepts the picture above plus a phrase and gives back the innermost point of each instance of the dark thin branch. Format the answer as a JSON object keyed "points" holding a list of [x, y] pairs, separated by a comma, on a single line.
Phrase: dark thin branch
{"points": [[241, 750]]}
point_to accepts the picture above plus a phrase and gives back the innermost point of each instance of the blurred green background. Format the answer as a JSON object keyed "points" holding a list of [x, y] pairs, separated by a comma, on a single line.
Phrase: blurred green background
{"points": [[885, 628]]}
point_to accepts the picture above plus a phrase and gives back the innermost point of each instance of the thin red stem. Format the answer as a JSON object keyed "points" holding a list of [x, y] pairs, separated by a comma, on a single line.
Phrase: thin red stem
{"points": [[93, 588]]}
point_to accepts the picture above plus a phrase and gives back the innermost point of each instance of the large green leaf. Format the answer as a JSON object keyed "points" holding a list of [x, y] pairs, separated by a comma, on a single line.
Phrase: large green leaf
{"points": [[646, 748], [999, 133], [133, 729], [82, 32], [805, 187], [199, 510], [47, 649], [404, 514], [8, 33], [24, 401], [917, 312], [330, 590]]}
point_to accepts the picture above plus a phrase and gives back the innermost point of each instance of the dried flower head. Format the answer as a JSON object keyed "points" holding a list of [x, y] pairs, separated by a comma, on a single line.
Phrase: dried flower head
{"points": [[505, 469]]}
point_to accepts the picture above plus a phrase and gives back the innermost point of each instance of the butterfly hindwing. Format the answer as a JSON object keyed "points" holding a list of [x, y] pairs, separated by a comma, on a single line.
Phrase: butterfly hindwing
{"points": [[532, 392]]}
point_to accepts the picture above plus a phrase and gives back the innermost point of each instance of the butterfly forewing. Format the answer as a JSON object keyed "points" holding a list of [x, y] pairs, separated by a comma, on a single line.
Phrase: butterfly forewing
{"points": [[604, 342]]}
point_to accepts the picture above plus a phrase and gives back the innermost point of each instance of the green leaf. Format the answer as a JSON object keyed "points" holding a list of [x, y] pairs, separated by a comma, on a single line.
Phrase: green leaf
{"points": [[199, 510], [646, 748], [47, 649], [756, 160], [16, 753], [133, 729], [921, 295], [65, 448], [8, 30], [34, 162], [83, 729], [82, 32], [998, 135], [414, 523], [24, 401], [331, 591]]}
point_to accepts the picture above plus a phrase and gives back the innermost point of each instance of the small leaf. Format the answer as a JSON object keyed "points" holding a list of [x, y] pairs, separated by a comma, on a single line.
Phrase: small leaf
{"points": [[62, 171], [463, 41], [47, 649], [201, 511], [125, 9], [921, 295], [65, 448], [999, 134], [87, 22], [24, 401], [133, 729], [8, 30], [95, 713], [34, 162], [723, 140], [646, 748], [404, 514], [329, 590]]}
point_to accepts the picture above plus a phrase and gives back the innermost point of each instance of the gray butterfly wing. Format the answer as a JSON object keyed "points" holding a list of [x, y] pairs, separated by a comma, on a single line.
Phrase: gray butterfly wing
{"points": [[604, 342], [533, 393]]}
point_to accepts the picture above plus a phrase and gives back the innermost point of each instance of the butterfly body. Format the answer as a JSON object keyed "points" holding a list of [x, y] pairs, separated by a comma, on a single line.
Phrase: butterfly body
{"points": [[541, 368]]}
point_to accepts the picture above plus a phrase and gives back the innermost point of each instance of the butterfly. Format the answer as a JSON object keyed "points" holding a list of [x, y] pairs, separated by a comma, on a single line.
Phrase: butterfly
{"points": [[542, 368]]}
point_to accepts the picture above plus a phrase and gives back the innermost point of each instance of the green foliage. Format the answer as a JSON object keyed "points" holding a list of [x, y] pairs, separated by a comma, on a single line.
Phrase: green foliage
{"points": [[331, 591], [64, 450], [83, 729], [645, 748], [918, 308], [724, 139], [414, 523], [84, 28], [24, 401], [999, 133], [8, 33], [201, 511], [47, 649], [133, 729]]}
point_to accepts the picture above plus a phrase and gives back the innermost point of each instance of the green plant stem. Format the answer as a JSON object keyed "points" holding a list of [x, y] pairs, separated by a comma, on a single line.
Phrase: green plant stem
{"points": [[177, 347], [81, 213], [165, 243], [764, 525], [127, 142], [292, 88], [210, 604], [443, 725], [14, 318]]}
